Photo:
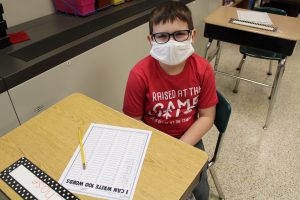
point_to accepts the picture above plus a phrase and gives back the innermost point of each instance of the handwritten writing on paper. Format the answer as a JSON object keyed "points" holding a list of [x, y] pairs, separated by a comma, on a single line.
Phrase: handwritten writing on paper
{"points": [[33, 184], [114, 157]]}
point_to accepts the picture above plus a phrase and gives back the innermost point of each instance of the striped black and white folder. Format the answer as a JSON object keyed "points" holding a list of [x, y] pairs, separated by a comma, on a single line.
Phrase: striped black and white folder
{"points": [[30, 182]]}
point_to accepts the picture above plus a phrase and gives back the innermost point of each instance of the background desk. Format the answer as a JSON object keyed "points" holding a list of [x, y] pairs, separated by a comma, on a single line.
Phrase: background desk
{"points": [[170, 171], [283, 41]]}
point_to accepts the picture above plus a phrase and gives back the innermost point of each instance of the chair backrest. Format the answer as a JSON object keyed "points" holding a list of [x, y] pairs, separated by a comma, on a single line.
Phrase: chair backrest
{"points": [[223, 111], [270, 10]]}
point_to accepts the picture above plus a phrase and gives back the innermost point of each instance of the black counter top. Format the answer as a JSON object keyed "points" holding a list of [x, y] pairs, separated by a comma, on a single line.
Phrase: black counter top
{"points": [[58, 37]]}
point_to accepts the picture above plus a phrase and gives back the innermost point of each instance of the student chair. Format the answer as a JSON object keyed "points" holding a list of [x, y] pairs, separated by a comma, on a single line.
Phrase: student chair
{"points": [[292, 8], [223, 111], [258, 53]]}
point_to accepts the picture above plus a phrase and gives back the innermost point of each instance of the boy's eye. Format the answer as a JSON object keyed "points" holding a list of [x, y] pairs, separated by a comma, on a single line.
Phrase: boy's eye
{"points": [[161, 36], [181, 34]]}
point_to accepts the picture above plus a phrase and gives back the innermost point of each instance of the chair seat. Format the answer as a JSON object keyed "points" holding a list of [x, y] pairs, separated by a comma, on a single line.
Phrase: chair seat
{"points": [[260, 53]]}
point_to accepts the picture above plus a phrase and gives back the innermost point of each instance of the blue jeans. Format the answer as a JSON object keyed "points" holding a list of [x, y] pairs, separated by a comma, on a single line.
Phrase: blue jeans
{"points": [[201, 191]]}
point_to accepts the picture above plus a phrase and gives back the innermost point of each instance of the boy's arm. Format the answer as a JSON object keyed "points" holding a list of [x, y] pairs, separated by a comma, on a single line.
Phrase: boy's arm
{"points": [[138, 118], [201, 126]]}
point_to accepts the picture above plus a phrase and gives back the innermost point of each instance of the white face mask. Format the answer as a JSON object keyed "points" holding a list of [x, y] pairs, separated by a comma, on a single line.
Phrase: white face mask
{"points": [[172, 52]]}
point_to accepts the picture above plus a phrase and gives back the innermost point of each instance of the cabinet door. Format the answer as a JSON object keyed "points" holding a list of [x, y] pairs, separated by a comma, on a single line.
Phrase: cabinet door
{"points": [[8, 118], [40, 92], [100, 73]]}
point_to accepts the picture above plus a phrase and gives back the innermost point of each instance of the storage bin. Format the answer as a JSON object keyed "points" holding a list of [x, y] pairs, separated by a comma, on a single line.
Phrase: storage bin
{"points": [[102, 4], [75, 7]]}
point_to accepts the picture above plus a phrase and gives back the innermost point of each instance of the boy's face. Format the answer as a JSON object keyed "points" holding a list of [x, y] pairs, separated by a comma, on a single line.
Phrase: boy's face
{"points": [[171, 27]]}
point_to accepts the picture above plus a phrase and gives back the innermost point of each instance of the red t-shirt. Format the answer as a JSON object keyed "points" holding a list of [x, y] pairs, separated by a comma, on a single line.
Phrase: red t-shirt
{"points": [[170, 103]]}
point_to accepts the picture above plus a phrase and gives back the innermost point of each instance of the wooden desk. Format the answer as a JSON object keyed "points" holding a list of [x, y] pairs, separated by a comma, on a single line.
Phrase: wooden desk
{"points": [[282, 41], [170, 171]]}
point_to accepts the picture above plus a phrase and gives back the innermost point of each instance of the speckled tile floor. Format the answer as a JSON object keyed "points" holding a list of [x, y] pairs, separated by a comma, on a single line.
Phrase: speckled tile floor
{"points": [[256, 163]]}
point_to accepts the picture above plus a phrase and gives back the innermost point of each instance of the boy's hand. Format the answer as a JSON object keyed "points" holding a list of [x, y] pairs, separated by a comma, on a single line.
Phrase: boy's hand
{"points": [[201, 126]]}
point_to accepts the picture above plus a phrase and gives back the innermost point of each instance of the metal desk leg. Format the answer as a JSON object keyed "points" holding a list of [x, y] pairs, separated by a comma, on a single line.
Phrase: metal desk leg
{"points": [[238, 74], [217, 56], [216, 53], [276, 84], [207, 47]]}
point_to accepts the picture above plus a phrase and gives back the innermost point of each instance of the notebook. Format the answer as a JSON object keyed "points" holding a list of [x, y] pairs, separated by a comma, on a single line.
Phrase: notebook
{"points": [[30, 182], [266, 27], [255, 19]]}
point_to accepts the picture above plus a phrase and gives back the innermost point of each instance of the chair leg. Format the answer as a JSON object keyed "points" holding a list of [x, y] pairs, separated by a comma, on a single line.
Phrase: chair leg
{"points": [[239, 70], [216, 182], [270, 68]]}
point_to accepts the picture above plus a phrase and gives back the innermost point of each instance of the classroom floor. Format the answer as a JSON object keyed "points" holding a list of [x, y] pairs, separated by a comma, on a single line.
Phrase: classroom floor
{"points": [[256, 163]]}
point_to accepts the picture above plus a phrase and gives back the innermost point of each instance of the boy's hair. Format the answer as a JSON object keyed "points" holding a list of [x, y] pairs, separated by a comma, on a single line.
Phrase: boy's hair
{"points": [[168, 12]]}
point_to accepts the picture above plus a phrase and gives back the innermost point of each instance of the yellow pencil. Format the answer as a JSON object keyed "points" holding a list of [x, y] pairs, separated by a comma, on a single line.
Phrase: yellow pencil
{"points": [[81, 149]]}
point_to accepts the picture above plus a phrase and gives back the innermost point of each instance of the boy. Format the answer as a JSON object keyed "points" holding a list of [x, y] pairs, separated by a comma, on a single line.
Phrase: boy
{"points": [[173, 89]]}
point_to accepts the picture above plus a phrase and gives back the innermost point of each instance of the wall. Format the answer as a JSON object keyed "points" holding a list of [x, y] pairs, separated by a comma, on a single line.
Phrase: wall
{"points": [[200, 9], [19, 11], [16, 12]]}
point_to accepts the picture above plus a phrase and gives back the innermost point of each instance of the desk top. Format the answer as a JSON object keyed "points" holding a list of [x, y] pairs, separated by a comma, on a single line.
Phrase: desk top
{"points": [[170, 171], [288, 27]]}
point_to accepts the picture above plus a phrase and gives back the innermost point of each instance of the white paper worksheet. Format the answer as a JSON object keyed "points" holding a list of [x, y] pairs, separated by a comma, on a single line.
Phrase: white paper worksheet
{"points": [[254, 16], [114, 158]]}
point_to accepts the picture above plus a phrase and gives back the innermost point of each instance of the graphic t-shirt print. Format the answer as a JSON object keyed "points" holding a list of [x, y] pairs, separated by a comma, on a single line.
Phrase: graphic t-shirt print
{"points": [[174, 106]]}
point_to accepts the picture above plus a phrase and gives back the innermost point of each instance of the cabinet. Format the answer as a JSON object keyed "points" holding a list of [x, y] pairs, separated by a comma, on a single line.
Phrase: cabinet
{"points": [[100, 73], [8, 118]]}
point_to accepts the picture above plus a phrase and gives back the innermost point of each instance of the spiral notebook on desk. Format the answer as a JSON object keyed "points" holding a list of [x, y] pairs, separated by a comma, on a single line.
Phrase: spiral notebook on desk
{"points": [[253, 24], [255, 19]]}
